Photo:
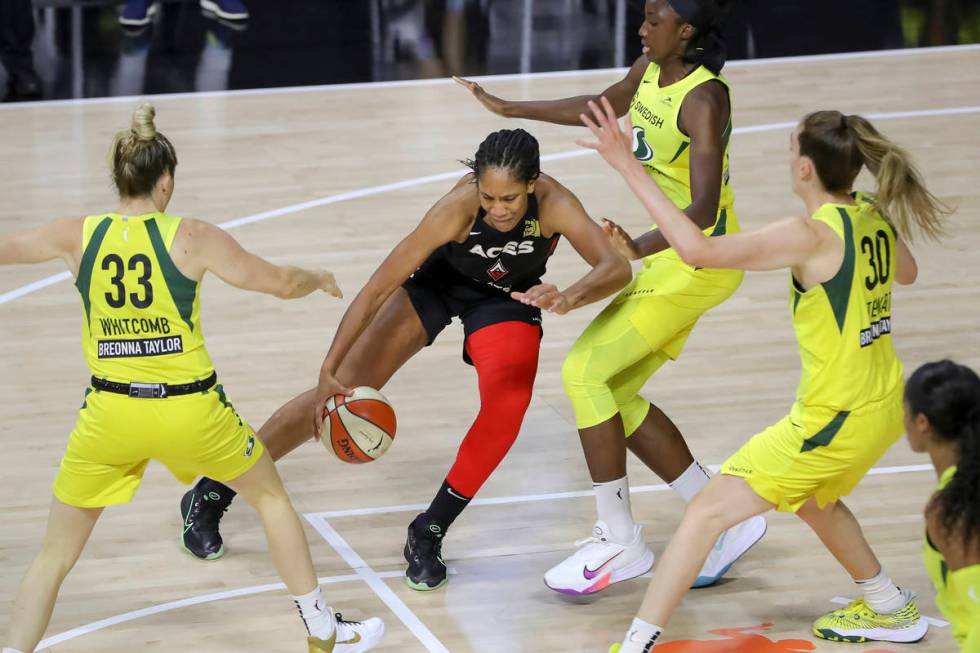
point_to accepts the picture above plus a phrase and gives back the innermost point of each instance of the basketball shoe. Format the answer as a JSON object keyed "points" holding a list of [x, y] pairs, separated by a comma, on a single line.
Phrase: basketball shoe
{"points": [[600, 561], [350, 637], [859, 623], [227, 9], [202, 508], [731, 546], [423, 552], [138, 13]]}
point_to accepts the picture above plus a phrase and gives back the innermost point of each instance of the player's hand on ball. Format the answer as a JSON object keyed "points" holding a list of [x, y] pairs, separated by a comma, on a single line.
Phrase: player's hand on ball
{"points": [[493, 103], [545, 296], [621, 240], [328, 284], [326, 388]]}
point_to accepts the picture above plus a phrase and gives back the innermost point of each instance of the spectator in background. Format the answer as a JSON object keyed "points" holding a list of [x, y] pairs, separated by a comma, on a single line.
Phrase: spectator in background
{"points": [[139, 13], [16, 54]]}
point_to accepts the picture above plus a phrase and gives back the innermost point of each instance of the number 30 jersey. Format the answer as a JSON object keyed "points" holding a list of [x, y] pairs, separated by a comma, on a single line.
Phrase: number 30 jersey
{"points": [[141, 317], [843, 326]]}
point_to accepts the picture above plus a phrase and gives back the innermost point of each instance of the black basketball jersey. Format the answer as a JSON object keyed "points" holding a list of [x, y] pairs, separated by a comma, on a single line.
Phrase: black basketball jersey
{"points": [[505, 260]]}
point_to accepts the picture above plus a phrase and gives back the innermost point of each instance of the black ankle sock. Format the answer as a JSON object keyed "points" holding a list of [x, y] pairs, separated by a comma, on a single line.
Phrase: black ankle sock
{"points": [[445, 507], [222, 490]]}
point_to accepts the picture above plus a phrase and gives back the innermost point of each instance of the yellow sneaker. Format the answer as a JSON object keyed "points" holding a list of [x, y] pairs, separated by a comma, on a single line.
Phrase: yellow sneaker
{"points": [[857, 622]]}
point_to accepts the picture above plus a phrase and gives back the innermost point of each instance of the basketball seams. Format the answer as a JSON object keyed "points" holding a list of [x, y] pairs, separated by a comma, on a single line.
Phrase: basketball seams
{"points": [[384, 429], [357, 455], [348, 420]]}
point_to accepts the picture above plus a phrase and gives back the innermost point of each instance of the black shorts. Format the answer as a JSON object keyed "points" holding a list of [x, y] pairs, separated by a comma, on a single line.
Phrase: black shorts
{"points": [[439, 294]]}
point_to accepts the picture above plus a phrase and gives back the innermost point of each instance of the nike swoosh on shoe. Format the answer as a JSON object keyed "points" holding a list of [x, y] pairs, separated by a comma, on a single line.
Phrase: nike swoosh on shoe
{"points": [[590, 573]]}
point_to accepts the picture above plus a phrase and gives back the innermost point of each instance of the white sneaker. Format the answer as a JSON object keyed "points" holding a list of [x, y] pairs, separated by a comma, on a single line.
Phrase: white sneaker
{"points": [[350, 637], [732, 544], [600, 562]]}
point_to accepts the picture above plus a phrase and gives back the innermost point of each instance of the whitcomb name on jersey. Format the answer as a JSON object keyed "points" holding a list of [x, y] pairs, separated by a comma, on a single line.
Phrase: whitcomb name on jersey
{"points": [[133, 326]]}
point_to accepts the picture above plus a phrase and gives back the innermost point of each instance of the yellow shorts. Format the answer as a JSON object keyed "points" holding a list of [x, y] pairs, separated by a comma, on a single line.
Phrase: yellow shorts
{"points": [[817, 453], [672, 297], [646, 325], [116, 436]]}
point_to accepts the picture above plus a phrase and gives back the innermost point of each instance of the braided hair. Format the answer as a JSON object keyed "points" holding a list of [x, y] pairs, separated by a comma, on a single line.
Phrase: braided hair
{"points": [[948, 394], [514, 150]]}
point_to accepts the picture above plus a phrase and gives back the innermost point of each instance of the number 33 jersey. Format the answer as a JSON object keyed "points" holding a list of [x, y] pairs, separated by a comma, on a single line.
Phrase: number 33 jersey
{"points": [[142, 316], [843, 326]]}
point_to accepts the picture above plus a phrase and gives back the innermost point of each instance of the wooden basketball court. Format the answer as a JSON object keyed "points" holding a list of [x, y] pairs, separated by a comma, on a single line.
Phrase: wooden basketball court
{"points": [[333, 177]]}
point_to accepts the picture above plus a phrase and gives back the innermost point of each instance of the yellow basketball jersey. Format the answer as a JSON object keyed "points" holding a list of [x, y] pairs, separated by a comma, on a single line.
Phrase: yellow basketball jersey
{"points": [[957, 592], [843, 326], [665, 151], [141, 315]]}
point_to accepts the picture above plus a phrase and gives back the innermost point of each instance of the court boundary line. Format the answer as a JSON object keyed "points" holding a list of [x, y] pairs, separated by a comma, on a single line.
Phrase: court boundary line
{"points": [[374, 580], [189, 601], [441, 81], [362, 571], [575, 494], [369, 191]]}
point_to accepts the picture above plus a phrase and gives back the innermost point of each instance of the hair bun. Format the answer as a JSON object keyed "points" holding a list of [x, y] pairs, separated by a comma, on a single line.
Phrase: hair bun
{"points": [[143, 125]]}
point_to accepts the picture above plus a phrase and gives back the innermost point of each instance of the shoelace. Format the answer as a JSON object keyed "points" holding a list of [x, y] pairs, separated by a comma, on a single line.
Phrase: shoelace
{"points": [[591, 539], [205, 513], [429, 545]]}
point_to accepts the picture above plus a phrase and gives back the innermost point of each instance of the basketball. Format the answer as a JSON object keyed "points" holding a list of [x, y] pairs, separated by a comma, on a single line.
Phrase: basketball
{"points": [[358, 428]]}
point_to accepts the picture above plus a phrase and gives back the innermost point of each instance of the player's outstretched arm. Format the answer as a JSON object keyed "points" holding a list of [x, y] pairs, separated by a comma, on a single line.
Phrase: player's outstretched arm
{"points": [[566, 110], [58, 239], [788, 243], [201, 246]]}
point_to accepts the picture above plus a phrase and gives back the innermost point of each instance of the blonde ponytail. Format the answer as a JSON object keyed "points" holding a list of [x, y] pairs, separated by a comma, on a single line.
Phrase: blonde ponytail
{"points": [[902, 196]]}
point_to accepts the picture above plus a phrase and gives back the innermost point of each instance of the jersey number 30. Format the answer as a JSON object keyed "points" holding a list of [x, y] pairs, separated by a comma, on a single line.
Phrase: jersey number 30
{"points": [[879, 259], [118, 299]]}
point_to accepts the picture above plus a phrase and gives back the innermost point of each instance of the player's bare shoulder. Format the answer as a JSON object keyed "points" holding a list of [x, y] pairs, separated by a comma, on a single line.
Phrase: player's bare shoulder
{"points": [[455, 211], [555, 203]]}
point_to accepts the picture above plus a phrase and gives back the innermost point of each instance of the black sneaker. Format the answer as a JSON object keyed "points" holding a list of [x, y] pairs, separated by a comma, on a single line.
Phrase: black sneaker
{"points": [[202, 509], [423, 551]]}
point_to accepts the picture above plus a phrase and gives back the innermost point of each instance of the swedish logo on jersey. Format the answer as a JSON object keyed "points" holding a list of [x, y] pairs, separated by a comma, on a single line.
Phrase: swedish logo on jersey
{"points": [[532, 228], [641, 149]]}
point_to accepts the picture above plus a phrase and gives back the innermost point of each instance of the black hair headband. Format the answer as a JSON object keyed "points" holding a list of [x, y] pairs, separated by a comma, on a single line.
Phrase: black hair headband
{"points": [[690, 11]]}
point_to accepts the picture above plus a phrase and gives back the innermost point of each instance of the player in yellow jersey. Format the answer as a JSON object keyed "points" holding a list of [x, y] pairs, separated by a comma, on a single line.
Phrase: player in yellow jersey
{"points": [[681, 109], [843, 260], [154, 393], [942, 418]]}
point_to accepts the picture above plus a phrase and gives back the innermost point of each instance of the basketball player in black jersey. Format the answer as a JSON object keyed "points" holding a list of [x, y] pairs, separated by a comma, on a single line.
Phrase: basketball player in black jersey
{"points": [[479, 255]]}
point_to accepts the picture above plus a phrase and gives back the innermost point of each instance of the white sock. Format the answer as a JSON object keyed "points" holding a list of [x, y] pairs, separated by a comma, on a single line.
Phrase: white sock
{"points": [[691, 481], [316, 614], [11, 650], [641, 637], [612, 500], [881, 594]]}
